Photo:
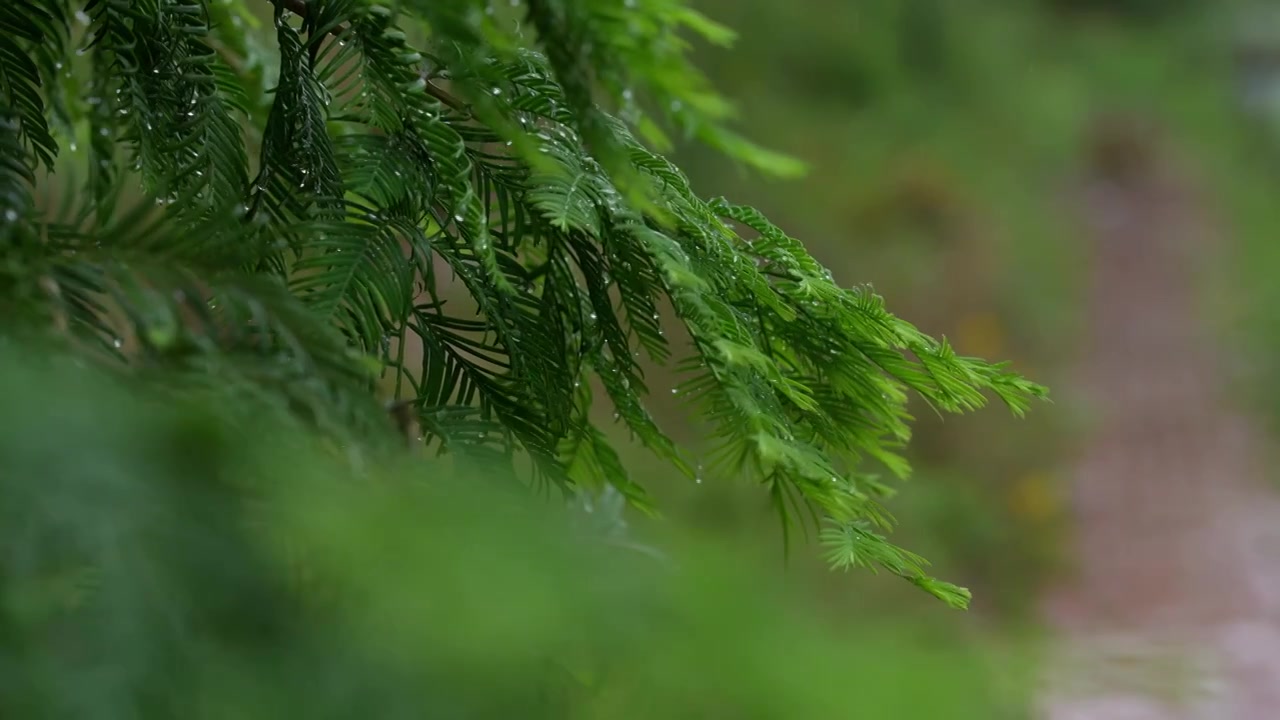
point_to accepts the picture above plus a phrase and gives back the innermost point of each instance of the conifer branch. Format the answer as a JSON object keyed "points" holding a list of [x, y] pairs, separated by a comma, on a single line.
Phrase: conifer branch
{"points": [[301, 9], [303, 284]]}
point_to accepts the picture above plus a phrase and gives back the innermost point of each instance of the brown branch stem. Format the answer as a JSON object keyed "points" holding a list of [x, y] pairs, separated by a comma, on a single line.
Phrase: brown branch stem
{"points": [[300, 8]]}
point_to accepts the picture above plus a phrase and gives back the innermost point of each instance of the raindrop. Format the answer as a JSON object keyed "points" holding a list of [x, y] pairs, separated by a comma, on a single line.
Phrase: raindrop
{"points": [[11, 215], [593, 316], [118, 343], [73, 146], [675, 391], [103, 132]]}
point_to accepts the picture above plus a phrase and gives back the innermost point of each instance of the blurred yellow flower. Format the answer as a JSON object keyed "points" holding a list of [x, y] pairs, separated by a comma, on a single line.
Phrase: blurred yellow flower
{"points": [[1033, 498], [980, 334]]}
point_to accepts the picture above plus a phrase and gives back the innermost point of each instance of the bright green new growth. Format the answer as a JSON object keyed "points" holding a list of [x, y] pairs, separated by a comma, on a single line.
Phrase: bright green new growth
{"points": [[303, 196]]}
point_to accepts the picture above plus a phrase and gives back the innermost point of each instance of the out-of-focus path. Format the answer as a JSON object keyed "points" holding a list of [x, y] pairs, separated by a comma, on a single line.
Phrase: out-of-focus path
{"points": [[1173, 608]]}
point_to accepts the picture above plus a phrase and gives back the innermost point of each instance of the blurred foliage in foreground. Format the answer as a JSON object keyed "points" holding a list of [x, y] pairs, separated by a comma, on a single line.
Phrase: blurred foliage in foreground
{"points": [[164, 559]]}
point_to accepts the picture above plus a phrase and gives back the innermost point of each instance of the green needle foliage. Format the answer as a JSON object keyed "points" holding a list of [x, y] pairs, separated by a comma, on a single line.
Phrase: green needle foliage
{"points": [[457, 206]]}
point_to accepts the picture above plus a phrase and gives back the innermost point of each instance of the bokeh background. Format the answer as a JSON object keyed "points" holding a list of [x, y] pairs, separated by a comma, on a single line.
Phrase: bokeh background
{"points": [[1088, 189]]}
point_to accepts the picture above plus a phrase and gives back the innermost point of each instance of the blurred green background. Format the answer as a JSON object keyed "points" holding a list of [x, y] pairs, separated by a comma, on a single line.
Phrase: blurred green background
{"points": [[945, 141]]}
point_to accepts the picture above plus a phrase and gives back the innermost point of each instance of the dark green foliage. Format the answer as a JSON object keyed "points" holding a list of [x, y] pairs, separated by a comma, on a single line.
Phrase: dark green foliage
{"points": [[315, 212], [31, 44]]}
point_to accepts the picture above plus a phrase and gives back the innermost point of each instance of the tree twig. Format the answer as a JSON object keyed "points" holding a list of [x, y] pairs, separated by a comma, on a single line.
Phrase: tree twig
{"points": [[300, 8]]}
